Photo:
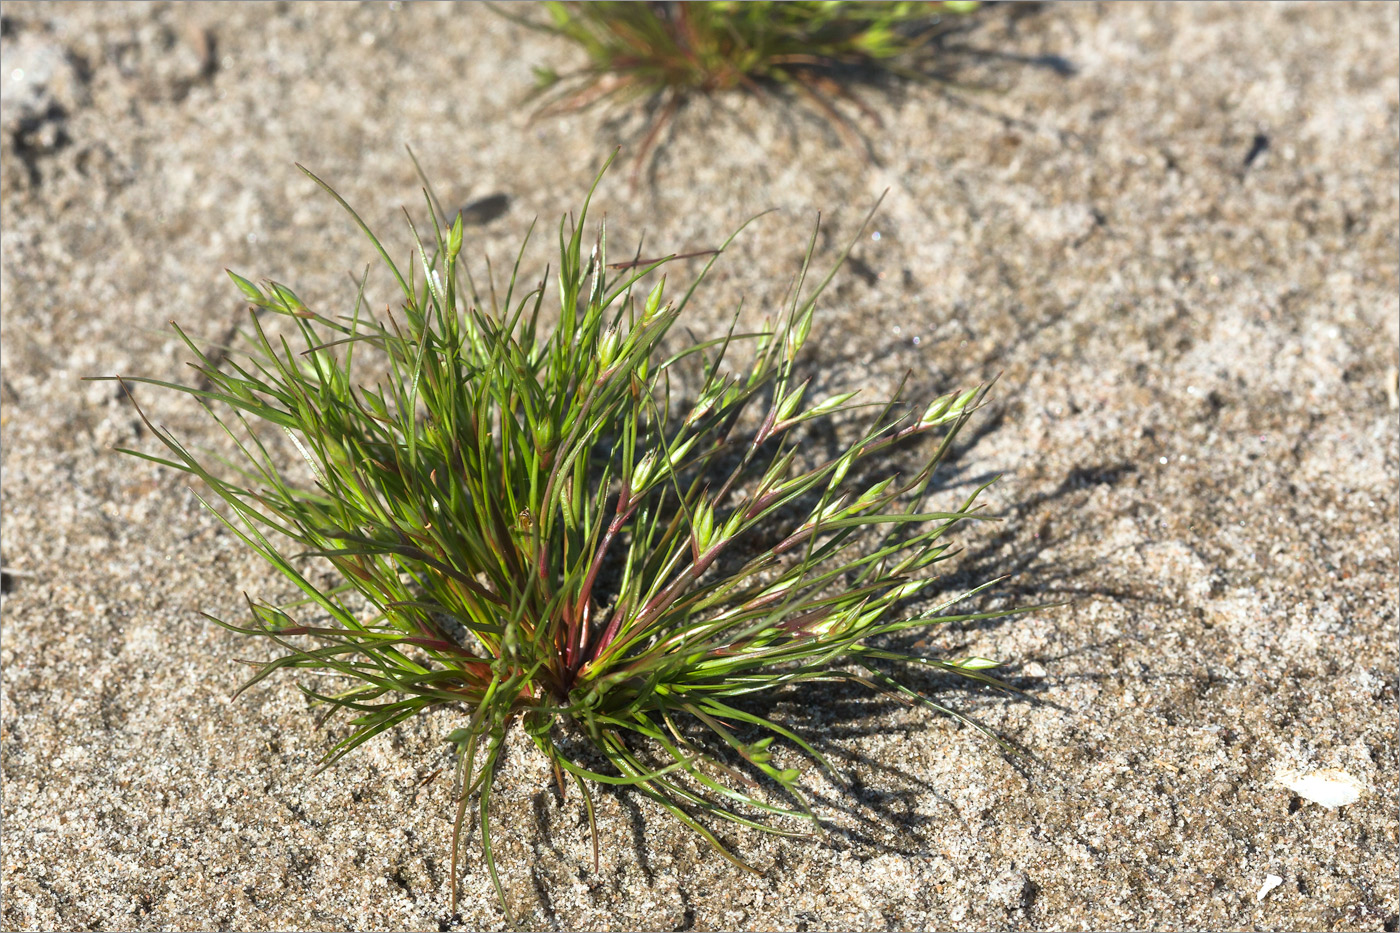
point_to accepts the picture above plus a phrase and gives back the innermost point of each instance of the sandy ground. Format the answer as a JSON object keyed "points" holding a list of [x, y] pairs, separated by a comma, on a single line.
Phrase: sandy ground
{"points": [[1171, 229]]}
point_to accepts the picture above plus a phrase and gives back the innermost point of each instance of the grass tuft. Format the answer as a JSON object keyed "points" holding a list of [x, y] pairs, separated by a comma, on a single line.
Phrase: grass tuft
{"points": [[529, 526], [667, 52]]}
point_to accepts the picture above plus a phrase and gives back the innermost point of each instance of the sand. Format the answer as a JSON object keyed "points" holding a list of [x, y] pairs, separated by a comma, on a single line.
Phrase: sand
{"points": [[1171, 229]]}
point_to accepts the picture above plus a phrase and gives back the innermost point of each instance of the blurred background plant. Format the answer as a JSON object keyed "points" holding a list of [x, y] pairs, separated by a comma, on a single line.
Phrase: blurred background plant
{"points": [[667, 52]]}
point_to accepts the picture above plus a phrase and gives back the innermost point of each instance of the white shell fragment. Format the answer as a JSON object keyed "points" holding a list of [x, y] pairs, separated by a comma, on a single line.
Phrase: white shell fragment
{"points": [[1331, 787], [1270, 882]]}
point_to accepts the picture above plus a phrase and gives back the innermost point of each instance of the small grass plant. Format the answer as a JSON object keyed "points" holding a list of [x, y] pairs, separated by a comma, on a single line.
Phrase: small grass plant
{"points": [[667, 52], [527, 526]]}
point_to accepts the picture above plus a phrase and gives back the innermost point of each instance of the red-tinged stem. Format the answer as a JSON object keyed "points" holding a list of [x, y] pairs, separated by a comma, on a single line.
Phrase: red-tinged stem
{"points": [[541, 562], [764, 501], [567, 612], [798, 624], [583, 606], [762, 601], [795, 627], [623, 512], [610, 633], [766, 430], [794, 539], [667, 597]]}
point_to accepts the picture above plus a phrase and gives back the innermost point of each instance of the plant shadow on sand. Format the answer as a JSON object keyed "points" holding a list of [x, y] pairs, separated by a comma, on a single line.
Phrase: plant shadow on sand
{"points": [[871, 803]]}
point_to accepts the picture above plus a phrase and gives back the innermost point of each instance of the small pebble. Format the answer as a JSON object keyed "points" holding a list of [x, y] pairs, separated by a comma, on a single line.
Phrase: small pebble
{"points": [[1331, 788]]}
